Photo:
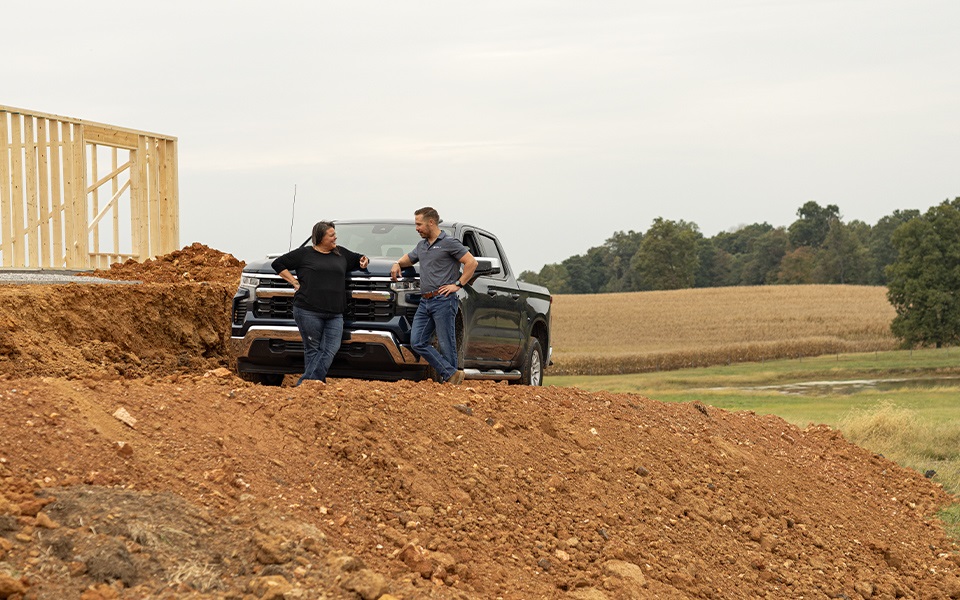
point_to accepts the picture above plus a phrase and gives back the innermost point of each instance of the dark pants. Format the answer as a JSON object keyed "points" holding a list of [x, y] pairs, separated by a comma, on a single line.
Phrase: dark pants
{"points": [[437, 315], [321, 333]]}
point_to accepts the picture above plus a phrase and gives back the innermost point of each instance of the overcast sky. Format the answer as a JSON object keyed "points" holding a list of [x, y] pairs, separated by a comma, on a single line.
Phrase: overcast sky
{"points": [[551, 123]]}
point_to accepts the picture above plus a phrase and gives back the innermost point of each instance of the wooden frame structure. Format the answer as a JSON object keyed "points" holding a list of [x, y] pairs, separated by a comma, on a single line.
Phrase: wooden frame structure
{"points": [[68, 189]]}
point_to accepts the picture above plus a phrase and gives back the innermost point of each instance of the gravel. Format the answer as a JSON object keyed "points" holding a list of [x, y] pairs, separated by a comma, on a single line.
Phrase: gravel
{"points": [[52, 277]]}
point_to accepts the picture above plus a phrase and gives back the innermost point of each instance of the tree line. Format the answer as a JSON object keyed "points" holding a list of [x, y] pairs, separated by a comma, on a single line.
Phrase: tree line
{"points": [[818, 247], [916, 256]]}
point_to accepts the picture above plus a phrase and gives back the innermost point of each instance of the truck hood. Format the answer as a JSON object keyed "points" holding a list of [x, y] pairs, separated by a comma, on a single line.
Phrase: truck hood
{"points": [[378, 267]]}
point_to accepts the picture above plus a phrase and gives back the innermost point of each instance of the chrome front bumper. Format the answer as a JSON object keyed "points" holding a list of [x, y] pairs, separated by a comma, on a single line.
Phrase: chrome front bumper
{"points": [[401, 355]]}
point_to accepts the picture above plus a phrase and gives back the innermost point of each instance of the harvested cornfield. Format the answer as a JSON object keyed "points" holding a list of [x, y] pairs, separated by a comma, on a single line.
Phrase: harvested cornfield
{"points": [[636, 332]]}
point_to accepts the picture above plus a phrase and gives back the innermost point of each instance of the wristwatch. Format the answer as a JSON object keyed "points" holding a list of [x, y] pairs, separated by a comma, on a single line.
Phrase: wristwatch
{"points": [[457, 283]]}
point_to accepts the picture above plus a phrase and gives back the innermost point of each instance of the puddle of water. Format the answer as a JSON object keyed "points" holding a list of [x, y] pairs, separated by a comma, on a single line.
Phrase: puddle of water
{"points": [[851, 386]]}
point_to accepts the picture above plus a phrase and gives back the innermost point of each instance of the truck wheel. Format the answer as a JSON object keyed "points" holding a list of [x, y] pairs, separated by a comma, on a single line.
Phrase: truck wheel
{"points": [[272, 379], [532, 371]]}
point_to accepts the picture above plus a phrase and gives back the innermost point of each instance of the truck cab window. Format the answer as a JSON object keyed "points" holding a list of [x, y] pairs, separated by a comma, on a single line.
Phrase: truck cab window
{"points": [[492, 250], [471, 243]]}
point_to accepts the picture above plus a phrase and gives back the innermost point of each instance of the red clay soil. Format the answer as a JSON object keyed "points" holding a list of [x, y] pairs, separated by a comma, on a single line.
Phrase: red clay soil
{"points": [[195, 262], [135, 464]]}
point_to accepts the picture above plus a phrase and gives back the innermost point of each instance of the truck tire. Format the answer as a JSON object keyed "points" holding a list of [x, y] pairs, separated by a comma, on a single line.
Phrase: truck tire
{"points": [[531, 373], [272, 379]]}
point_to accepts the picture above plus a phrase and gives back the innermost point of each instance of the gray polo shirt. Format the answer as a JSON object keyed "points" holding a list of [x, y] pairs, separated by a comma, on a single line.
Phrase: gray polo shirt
{"points": [[439, 262]]}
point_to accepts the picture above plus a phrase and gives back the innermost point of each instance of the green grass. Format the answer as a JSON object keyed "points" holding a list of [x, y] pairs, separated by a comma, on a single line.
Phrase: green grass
{"points": [[918, 427], [869, 365], [951, 520]]}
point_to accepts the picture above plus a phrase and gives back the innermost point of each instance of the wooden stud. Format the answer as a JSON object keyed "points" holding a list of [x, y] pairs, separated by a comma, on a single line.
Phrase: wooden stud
{"points": [[114, 187], [168, 197], [56, 194], [143, 213], [153, 164], [30, 188], [69, 247], [16, 192], [43, 166], [80, 228], [173, 188], [94, 198], [6, 217]]}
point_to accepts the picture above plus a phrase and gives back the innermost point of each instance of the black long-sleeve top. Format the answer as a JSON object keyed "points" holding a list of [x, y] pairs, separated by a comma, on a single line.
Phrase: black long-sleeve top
{"points": [[322, 276]]}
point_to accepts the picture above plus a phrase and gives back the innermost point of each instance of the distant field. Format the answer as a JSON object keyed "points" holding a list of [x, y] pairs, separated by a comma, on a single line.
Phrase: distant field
{"points": [[637, 332]]}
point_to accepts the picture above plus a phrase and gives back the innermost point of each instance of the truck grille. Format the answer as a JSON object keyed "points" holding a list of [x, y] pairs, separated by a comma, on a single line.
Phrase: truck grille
{"points": [[281, 307], [368, 310], [273, 308]]}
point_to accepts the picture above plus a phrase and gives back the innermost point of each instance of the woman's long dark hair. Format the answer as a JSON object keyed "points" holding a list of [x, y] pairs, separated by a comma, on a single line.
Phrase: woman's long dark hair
{"points": [[319, 231]]}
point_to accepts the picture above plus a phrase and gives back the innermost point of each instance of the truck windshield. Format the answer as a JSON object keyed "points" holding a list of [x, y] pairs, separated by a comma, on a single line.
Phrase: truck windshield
{"points": [[387, 240]]}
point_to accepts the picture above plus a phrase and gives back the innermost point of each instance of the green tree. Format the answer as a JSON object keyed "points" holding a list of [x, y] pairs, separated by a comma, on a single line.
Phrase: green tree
{"points": [[620, 248], [714, 265], [735, 247], [882, 252], [554, 277], [530, 277], [844, 257], [813, 225], [667, 258], [924, 281], [797, 266], [762, 262], [739, 240], [587, 273]]}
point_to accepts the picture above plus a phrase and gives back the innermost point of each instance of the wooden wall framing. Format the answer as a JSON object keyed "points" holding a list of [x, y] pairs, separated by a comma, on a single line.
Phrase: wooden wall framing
{"points": [[80, 195]]}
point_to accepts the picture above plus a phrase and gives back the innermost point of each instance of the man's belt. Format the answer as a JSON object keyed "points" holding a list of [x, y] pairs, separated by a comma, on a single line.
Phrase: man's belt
{"points": [[428, 295]]}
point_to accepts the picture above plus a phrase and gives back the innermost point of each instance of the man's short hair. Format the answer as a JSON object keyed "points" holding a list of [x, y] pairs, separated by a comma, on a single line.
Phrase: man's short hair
{"points": [[429, 214]]}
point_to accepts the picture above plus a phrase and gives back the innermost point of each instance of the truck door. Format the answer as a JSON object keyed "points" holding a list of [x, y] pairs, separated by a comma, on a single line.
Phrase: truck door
{"points": [[480, 346], [505, 296]]}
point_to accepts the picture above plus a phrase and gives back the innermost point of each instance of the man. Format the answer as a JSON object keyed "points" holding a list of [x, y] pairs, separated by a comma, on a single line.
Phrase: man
{"points": [[440, 257]]}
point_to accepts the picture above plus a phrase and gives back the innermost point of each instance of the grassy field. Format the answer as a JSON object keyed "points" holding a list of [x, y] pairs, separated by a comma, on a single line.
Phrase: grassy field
{"points": [[933, 378], [637, 332], [903, 404]]}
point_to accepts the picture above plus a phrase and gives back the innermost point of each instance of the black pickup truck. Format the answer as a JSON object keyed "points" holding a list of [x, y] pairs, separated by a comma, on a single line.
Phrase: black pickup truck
{"points": [[503, 325]]}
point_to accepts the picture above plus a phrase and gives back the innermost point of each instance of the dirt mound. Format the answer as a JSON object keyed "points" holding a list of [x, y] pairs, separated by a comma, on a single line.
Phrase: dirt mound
{"points": [[219, 488], [135, 464], [112, 330], [171, 314], [195, 262]]}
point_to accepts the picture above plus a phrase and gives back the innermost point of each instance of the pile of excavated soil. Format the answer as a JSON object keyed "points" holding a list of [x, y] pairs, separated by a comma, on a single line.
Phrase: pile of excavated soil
{"points": [[360, 489], [109, 330], [176, 319], [134, 464], [195, 262]]}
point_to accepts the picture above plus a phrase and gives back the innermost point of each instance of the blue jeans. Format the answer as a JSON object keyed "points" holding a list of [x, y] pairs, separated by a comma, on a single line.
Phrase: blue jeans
{"points": [[437, 315], [321, 333]]}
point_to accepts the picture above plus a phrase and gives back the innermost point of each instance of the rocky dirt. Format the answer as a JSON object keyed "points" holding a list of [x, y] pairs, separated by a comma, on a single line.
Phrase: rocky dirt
{"points": [[135, 464]]}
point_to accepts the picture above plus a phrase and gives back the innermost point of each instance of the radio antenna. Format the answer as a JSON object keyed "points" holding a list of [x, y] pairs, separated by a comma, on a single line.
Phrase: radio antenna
{"points": [[293, 211]]}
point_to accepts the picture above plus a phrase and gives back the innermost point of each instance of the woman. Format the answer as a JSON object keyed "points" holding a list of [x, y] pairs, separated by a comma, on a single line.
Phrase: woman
{"points": [[319, 295]]}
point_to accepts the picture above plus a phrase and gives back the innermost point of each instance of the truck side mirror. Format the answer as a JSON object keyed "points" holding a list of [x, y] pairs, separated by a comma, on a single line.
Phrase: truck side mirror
{"points": [[487, 266]]}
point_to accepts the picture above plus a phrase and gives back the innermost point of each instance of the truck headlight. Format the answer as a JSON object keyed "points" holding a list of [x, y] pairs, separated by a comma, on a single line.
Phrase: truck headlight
{"points": [[248, 281]]}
